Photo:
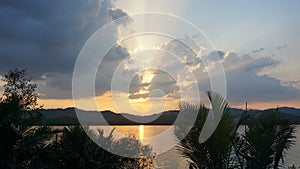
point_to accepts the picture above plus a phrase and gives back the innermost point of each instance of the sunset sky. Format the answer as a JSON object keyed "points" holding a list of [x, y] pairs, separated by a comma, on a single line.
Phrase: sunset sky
{"points": [[257, 42]]}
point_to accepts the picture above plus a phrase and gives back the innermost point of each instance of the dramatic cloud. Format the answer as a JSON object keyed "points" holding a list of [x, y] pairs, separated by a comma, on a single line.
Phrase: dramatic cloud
{"points": [[107, 68], [244, 82], [46, 36], [244, 75], [161, 81]]}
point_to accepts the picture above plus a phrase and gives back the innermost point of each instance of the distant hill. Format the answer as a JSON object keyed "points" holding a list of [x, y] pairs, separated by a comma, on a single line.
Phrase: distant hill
{"points": [[68, 116]]}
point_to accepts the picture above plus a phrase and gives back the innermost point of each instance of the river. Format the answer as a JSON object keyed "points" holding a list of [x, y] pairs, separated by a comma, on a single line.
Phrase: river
{"points": [[161, 138]]}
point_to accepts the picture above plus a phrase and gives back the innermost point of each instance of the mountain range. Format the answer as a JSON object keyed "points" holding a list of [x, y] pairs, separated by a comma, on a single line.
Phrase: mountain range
{"points": [[68, 116]]}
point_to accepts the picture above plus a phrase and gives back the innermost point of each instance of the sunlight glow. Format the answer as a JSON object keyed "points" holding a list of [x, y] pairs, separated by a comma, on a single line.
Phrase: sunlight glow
{"points": [[141, 132], [141, 105], [147, 76]]}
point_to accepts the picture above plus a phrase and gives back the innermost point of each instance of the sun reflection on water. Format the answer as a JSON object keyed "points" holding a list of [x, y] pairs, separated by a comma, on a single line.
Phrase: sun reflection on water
{"points": [[141, 132]]}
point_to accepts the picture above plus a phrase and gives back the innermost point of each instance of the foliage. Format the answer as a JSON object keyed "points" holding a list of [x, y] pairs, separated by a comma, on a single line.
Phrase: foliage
{"points": [[25, 145], [17, 134], [74, 149], [277, 134], [19, 86], [225, 148], [217, 151]]}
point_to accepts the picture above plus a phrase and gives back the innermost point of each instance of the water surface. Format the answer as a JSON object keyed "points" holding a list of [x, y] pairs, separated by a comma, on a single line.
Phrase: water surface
{"points": [[172, 158]]}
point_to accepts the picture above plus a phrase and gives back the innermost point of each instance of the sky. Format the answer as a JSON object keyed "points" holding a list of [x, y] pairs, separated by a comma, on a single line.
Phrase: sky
{"points": [[256, 42]]}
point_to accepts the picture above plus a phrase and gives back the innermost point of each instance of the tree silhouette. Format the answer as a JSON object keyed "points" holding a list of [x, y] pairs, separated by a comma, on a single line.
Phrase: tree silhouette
{"points": [[24, 143], [267, 139], [19, 86], [19, 140], [217, 151], [262, 146]]}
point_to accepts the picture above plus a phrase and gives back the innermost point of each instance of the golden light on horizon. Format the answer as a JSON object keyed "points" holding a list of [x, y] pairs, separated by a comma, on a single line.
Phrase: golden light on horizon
{"points": [[141, 104], [106, 103]]}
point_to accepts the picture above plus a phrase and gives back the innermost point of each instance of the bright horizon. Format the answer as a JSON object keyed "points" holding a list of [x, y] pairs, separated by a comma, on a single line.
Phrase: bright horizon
{"points": [[53, 104]]}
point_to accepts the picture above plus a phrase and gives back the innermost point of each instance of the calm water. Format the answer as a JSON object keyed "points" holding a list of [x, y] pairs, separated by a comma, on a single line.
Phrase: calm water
{"points": [[161, 138]]}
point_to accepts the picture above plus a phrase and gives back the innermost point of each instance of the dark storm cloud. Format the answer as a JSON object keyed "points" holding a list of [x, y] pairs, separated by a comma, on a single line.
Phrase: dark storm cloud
{"points": [[107, 68], [46, 36], [49, 32]]}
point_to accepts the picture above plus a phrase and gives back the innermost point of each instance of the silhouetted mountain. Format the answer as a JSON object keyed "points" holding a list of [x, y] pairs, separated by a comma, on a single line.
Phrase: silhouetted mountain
{"points": [[68, 116]]}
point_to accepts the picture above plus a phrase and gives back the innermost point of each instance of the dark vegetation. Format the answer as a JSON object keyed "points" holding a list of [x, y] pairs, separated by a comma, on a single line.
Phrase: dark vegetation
{"points": [[263, 144], [27, 140], [25, 145]]}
